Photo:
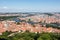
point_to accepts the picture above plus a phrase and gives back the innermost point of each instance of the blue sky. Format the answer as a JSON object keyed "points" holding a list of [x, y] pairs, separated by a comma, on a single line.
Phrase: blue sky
{"points": [[29, 5]]}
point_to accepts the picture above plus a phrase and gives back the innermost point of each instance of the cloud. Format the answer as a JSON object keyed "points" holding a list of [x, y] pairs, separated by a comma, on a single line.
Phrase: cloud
{"points": [[5, 7]]}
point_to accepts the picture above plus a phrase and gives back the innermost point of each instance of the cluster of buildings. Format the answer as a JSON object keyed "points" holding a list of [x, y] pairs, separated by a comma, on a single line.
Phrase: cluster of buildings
{"points": [[32, 27]]}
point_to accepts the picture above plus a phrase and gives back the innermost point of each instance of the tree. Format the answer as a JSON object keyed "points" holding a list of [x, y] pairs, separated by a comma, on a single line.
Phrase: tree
{"points": [[4, 35], [45, 36]]}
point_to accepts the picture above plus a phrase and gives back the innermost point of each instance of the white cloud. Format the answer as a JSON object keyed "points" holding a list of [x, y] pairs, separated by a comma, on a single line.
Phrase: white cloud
{"points": [[5, 7]]}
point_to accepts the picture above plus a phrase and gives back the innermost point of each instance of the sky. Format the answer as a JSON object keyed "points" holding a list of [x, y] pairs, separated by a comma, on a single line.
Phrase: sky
{"points": [[29, 5]]}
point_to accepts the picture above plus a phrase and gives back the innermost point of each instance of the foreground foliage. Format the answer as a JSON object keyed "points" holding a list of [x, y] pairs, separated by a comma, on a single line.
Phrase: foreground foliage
{"points": [[30, 36]]}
